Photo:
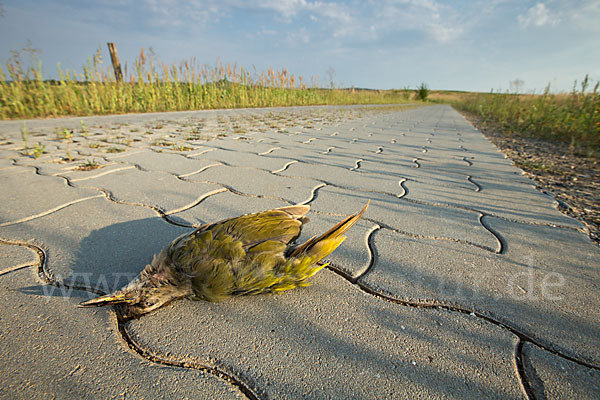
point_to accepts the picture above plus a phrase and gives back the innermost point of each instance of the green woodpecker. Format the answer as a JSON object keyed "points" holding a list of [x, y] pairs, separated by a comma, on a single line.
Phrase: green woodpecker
{"points": [[250, 254]]}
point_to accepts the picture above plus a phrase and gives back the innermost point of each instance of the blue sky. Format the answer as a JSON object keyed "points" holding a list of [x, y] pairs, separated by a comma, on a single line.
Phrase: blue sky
{"points": [[465, 45]]}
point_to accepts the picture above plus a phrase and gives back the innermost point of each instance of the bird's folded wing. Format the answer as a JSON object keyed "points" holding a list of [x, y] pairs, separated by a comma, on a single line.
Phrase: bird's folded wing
{"points": [[281, 225]]}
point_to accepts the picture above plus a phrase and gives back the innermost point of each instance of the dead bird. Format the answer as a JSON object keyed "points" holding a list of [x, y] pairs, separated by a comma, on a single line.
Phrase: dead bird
{"points": [[249, 254]]}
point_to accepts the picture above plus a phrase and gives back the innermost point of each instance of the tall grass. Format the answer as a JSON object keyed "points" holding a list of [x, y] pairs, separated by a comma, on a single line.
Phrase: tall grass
{"points": [[572, 118], [151, 86]]}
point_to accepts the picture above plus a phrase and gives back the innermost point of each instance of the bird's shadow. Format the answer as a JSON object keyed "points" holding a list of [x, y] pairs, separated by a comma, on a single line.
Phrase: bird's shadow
{"points": [[105, 260]]}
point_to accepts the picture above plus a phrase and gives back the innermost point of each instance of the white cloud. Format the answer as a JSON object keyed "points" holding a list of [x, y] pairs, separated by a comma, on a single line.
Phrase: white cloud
{"points": [[335, 20], [176, 13], [287, 8], [332, 11], [292, 8], [443, 23], [537, 15], [334, 17]]}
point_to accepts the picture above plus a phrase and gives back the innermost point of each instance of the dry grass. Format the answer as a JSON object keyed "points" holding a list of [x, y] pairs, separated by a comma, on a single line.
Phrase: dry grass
{"points": [[152, 86]]}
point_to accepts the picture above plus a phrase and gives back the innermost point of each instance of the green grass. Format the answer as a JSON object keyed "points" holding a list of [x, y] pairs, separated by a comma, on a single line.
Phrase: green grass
{"points": [[36, 151], [422, 92], [572, 118], [39, 150], [534, 166], [153, 87], [88, 165], [65, 134], [24, 133]]}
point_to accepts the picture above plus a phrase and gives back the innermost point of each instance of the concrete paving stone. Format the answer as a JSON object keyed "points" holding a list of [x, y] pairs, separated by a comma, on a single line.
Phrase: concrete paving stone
{"points": [[269, 162], [520, 202], [407, 168], [414, 219], [446, 140], [472, 141], [560, 265], [39, 193], [483, 170], [151, 188], [257, 182], [135, 125], [429, 175], [322, 132], [553, 377], [52, 349], [13, 257], [358, 146], [15, 169], [530, 286], [97, 123], [332, 341], [345, 178], [75, 174], [117, 156], [113, 150], [317, 143], [7, 156], [227, 143], [6, 163], [436, 182], [55, 166], [394, 148], [244, 146], [331, 159], [225, 205], [341, 137], [445, 159], [445, 144], [97, 243], [165, 162], [285, 139]]}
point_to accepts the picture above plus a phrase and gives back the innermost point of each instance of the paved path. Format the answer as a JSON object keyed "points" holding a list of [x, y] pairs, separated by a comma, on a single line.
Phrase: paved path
{"points": [[462, 280]]}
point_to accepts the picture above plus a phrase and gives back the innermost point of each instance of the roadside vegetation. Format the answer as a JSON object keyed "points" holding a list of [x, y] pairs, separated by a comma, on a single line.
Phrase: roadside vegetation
{"points": [[422, 92], [571, 118], [152, 86]]}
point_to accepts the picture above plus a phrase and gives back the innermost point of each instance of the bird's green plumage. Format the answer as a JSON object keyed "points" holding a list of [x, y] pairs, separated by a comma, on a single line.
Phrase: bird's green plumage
{"points": [[250, 254], [247, 255]]}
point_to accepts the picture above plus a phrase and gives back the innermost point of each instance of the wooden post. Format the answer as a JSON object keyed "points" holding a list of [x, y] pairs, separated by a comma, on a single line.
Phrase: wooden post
{"points": [[115, 61]]}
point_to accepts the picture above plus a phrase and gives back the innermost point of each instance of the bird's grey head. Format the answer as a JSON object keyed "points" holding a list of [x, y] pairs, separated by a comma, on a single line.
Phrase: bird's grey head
{"points": [[141, 296]]}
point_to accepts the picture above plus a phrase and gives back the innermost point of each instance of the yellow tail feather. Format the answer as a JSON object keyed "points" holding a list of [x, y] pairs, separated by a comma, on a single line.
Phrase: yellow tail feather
{"points": [[335, 232]]}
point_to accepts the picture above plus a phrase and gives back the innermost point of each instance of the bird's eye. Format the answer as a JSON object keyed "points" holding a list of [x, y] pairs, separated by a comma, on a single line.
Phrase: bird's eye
{"points": [[149, 303]]}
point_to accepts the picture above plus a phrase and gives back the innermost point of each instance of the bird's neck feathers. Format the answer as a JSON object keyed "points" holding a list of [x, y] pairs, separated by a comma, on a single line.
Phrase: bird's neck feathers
{"points": [[161, 273]]}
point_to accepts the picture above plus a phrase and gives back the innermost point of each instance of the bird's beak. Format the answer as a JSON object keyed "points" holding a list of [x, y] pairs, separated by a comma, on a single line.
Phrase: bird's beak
{"points": [[107, 300]]}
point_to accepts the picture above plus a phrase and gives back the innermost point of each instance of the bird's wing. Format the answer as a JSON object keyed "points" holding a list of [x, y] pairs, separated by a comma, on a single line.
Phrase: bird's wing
{"points": [[234, 255], [281, 225]]}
